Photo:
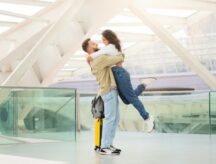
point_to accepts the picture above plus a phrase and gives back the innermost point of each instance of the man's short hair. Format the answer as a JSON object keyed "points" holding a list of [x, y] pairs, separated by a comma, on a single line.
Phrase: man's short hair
{"points": [[85, 44]]}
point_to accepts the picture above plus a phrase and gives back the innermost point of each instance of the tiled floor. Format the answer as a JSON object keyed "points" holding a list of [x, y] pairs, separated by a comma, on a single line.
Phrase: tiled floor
{"points": [[137, 148]]}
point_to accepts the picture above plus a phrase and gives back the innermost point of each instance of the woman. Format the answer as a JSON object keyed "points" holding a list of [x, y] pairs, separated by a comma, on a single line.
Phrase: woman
{"points": [[122, 77]]}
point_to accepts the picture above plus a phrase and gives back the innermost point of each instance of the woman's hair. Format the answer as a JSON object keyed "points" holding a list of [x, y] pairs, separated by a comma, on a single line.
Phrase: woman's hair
{"points": [[112, 38]]}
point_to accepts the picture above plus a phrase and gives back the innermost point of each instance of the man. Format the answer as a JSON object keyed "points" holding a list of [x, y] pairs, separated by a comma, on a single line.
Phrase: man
{"points": [[101, 68]]}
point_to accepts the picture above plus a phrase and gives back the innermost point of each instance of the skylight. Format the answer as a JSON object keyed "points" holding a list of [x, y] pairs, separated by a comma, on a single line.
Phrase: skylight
{"points": [[124, 19], [171, 12], [21, 9], [10, 18], [48, 0], [27, 10], [129, 29], [96, 37], [3, 29]]}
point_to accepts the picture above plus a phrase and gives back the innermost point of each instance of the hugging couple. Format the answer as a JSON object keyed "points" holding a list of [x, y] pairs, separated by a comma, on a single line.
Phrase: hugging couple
{"points": [[113, 80]]}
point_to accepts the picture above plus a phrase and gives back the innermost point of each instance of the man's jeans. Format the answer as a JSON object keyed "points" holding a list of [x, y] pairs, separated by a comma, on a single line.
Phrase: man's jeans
{"points": [[126, 91], [112, 117]]}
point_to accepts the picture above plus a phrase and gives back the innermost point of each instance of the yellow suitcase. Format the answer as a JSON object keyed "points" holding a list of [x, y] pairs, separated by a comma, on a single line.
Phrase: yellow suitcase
{"points": [[98, 133]]}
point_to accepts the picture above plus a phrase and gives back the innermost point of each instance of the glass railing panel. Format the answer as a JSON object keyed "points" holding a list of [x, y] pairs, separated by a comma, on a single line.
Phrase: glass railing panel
{"points": [[174, 112], [212, 110], [45, 113], [183, 112], [86, 118], [7, 115]]}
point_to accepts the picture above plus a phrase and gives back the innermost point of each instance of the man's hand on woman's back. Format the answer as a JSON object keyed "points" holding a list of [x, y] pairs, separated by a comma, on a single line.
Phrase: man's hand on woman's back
{"points": [[119, 64]]}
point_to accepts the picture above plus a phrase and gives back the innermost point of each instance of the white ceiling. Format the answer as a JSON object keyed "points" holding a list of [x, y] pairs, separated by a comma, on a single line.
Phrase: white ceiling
{"points": [[21, 18]]}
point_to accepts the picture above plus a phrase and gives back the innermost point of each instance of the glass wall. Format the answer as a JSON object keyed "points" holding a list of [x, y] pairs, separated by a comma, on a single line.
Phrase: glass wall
{"points": [[174, 112], [45, 113]]}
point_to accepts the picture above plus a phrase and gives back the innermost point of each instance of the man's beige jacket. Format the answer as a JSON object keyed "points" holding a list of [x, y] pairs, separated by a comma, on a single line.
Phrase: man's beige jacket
{"points": [[101, 68]]}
